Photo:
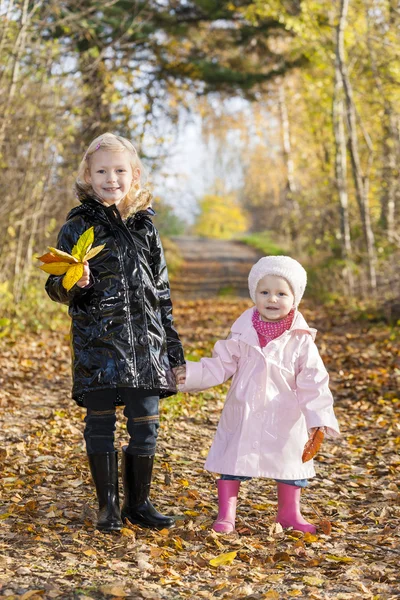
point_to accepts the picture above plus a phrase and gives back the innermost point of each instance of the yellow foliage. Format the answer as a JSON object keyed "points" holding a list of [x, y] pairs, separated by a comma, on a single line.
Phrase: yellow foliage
{"points": [[223, 559], [71, 264], [221, 217]]}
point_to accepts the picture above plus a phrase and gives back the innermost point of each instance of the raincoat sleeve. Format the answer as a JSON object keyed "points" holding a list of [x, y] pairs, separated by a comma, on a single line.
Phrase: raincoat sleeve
{"points": [[174, 346], [209, 372], [67, 238], [313, 393]]}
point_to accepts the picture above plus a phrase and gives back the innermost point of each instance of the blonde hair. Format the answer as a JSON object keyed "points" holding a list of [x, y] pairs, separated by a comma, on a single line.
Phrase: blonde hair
{"points": [[137, 198]]}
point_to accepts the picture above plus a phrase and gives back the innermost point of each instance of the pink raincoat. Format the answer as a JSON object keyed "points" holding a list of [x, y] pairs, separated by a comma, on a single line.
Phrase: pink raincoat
{"points": [[277, 394]]}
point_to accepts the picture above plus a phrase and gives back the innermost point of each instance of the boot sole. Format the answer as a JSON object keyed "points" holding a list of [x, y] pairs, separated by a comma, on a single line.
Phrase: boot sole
{"points": [[147, 525], [106, 529]]}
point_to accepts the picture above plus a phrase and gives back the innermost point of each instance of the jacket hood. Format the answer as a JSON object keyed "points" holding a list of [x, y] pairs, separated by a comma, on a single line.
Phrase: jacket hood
{"points": [[243, 325]]}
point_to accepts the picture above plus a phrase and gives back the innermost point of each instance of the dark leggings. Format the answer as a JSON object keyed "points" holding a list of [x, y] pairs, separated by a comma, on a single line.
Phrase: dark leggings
{"points": [[141, 411]]}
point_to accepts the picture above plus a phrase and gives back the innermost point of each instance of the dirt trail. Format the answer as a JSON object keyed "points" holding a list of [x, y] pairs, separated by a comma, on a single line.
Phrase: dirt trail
{"points": [[213, 268], [49, 548]]}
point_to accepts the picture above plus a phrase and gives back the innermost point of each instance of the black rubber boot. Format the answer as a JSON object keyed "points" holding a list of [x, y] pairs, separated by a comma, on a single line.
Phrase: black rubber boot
{"points": [[104, 469], [137, 508]]}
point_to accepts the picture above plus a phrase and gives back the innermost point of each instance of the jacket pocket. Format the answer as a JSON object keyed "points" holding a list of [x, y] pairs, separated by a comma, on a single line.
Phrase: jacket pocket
{"points": [[231, 418]]}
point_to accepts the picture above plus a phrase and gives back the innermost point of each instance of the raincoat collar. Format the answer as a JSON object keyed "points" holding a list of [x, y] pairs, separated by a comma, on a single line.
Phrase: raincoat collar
{"points": [[243, 326]]}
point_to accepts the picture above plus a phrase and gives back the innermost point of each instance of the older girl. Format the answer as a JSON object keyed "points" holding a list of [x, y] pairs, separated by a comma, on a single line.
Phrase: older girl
{"points": [[124, 343]]}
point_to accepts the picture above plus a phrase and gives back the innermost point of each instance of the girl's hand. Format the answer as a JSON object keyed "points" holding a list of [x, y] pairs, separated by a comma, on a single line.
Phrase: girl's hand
{"points": [[314, 443], [180, 374], [85, 279], [313, 429]]}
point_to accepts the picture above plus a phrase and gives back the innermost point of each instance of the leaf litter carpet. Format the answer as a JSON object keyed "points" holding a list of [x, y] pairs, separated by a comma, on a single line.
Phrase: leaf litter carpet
{"points": [[50, 549]]}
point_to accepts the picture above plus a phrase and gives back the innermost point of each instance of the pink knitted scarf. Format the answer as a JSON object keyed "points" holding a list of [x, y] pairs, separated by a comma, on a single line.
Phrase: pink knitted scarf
{"points": [[268, 330]]}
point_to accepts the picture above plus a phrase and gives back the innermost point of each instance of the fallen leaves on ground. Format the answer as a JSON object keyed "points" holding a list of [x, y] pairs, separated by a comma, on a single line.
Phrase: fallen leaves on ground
{"points": [[50, 549]]}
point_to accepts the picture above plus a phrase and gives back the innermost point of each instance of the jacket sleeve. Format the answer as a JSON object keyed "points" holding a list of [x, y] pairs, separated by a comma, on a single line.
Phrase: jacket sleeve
{"points": [[313, 393], [175, 351], [67, 238], [209, 372]]}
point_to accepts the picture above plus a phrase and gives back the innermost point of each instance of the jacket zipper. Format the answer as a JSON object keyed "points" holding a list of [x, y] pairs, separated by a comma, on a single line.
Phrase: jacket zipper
{"points": [[130, 330], [125, 231]]}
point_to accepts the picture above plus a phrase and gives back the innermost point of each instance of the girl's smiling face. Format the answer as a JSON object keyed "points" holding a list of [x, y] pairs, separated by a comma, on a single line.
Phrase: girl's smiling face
{"points": [[111, 175], [274, 298]]}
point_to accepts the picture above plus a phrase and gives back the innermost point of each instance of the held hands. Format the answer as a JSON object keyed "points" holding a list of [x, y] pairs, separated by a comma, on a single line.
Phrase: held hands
{"points": [[85, 279], [180, 374]]}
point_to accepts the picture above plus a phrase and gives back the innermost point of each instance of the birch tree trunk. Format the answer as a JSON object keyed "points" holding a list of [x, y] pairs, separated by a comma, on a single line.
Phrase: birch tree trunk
{"points": [[290, 188], [341, 162], [360, 184], [391, 156], [286, 144], [390, 174]]}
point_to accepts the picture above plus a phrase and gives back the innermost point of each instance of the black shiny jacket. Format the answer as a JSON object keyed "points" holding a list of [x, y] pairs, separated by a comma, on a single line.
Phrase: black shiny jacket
{"points": [[122, 327]]}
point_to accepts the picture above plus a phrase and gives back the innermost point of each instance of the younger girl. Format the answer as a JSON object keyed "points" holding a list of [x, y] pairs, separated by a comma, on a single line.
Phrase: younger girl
{"points": [[279, 393], [124, 343]]}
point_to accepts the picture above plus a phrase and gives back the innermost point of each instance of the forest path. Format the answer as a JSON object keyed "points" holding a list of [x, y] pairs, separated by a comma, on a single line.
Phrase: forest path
{"points": [[213, 268]]}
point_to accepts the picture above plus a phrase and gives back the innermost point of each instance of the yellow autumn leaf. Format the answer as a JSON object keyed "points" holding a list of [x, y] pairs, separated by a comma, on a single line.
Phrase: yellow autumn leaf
{"points": [[165, 532], [127, 532], [344, 559], [31, 593], [72, 276], [311, 580], [64, 255], [114, 590], [223, 559], [309, 537], [84, 244], [272, 595], [90, 552], [93, 252], [49, 258], [55, 268]]}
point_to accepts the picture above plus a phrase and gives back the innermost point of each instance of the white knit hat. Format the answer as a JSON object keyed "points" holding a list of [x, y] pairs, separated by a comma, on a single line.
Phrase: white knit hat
{"points": [[281, 266]]}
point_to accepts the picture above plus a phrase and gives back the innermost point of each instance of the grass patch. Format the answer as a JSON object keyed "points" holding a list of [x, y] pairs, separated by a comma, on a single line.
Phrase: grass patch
{"points": [[263, 241], [183, 405], [35, 311], [228, 290]]}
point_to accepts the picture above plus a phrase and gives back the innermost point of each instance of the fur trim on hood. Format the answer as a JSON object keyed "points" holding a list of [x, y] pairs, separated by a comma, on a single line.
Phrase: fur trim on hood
{"points": [[127, 207]]}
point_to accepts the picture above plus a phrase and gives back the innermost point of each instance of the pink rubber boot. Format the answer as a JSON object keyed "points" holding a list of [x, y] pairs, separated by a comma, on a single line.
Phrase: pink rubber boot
{"points": [[289, 514], [227, 497]]}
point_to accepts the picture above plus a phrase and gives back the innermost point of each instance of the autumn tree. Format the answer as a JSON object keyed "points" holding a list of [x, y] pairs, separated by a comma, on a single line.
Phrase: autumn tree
{"points": [[328, 142], [71, 69], [220, 217]]}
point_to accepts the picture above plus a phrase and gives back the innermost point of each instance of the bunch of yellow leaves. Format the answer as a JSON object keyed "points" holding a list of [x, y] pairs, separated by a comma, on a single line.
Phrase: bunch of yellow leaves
{"points": [[57, 262]]}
